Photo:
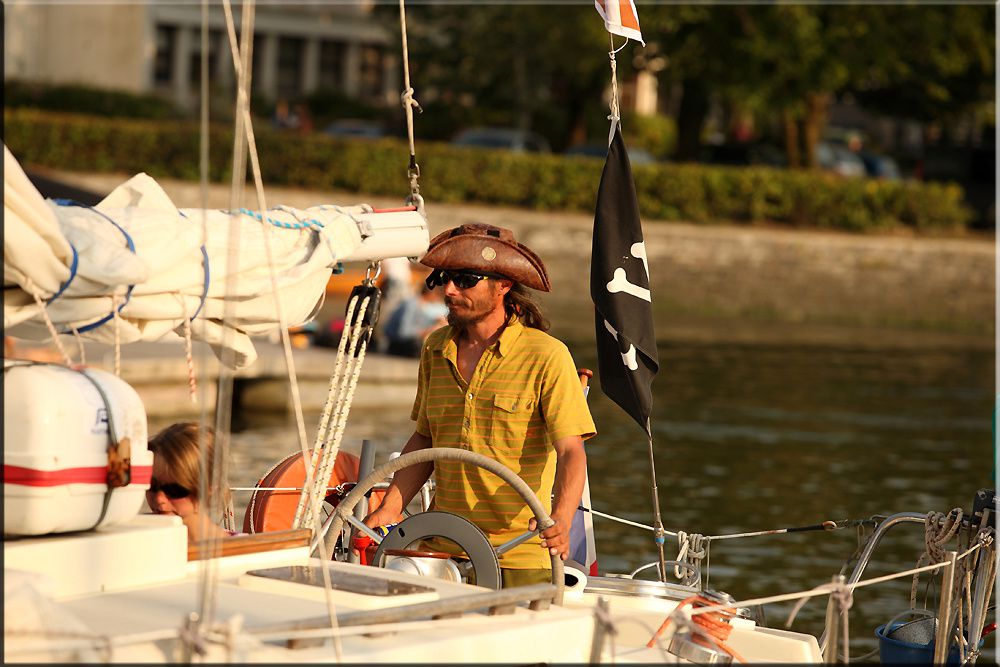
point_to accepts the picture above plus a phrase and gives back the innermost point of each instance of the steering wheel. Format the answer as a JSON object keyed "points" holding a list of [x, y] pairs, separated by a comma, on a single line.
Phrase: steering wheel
{"points": [[346, 506]]}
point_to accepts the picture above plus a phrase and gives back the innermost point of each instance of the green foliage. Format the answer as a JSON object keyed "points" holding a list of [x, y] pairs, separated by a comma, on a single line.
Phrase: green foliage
{"points": [[84, 99], [686, 192], [656, 133], [327, 104]]}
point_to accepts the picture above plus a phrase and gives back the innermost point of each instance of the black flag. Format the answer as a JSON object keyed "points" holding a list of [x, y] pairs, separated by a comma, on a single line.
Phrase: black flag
{"points": [[619, 286]]}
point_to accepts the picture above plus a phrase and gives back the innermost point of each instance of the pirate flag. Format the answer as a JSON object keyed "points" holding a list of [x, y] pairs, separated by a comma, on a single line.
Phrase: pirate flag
{"points": [[619, 286]]}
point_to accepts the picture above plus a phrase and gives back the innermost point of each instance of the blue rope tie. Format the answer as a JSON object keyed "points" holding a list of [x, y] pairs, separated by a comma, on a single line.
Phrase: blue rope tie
{"points": [[204, 263], [72, 274], [131, 246], [301, 224]]}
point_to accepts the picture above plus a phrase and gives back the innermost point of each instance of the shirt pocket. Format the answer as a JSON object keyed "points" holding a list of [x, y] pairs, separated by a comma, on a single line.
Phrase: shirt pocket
{"points": [[509, 421]]}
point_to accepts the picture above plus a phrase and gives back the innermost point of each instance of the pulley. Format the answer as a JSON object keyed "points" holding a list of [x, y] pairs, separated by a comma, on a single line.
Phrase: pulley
{"points": [[365, 313]]}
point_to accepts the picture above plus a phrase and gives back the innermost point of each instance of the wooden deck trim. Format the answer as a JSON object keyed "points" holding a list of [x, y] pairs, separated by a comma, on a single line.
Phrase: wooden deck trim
{"points": [[246, 544]]}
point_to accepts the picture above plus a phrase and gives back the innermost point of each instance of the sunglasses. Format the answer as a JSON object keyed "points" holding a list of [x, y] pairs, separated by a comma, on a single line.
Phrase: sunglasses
{"points": [[171, 490], [462, 279]]}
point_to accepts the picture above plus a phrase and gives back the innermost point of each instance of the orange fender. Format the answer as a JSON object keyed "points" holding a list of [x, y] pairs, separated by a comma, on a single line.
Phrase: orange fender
{"points": [[270, 510]]}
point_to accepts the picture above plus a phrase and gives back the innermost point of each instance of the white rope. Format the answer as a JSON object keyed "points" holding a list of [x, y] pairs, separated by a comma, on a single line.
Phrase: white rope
{"points": [[189, 358], [324, 422], [244, 122], [349, 381], [615, 115], [209, 568], [244, 108], [691, 553], [409, 104], [52, 329], [79, 345]]}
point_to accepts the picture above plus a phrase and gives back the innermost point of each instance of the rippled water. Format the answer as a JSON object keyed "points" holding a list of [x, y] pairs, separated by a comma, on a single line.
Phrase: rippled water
{"points": [[754, 437]]}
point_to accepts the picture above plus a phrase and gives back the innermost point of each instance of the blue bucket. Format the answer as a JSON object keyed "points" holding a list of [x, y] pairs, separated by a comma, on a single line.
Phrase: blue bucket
{"points": [[896, 652]]}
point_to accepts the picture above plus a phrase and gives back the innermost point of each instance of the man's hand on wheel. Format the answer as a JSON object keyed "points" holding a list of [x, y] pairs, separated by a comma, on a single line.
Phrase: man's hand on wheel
{"points": [[555, 538], [380, 517]]}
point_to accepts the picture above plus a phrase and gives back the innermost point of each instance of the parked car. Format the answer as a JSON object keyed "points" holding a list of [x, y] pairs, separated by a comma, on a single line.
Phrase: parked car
{"points": [[839, 159], [880, 166], [501, 137], [635, 155], [361, 129]]}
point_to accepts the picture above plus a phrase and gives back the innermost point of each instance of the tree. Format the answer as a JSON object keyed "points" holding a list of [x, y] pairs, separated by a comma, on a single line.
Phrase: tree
{"points": [[529, 66], [792, 61]]}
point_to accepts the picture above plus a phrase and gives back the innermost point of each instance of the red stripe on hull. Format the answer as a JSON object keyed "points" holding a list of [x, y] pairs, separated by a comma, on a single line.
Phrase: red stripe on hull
{"points": [[89, 475]]}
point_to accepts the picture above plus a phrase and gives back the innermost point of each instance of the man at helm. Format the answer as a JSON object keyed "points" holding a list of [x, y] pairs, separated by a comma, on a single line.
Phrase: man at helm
{"points": [[493, 382]]}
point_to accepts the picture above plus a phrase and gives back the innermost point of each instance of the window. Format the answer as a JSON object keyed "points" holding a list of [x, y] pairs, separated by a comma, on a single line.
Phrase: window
{"points": [[194, 63], [372, 72], [290, 66], [331, 64], [163, 62]]}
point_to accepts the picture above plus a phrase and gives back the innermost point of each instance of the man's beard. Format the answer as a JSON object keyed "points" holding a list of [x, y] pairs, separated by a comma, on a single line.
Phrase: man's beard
{"points": [[471, 314], [463, 322]]}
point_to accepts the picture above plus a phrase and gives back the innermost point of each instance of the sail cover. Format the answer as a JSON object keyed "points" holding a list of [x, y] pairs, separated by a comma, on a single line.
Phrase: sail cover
{"points": [[161, 265]]}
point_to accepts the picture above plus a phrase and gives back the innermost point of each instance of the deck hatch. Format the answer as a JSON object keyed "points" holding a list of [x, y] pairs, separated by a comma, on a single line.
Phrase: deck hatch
{"points": [[311, 575]]}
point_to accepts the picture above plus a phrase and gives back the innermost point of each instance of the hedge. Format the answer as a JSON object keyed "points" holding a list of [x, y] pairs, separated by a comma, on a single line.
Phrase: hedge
{"points": [[688, 192]]}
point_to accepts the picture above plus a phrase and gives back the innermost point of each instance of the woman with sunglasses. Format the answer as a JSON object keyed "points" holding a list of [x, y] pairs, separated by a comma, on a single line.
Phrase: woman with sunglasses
{"points": [[174, 488]]}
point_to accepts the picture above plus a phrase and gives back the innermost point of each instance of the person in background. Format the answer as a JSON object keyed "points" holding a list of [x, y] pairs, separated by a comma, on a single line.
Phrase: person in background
{"points": [[413, 320], [396, 286], [174, 488], [493, 382]]}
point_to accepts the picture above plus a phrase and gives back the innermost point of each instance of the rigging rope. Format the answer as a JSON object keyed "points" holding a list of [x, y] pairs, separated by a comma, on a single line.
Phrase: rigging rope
{"points": [[324, 420], [689, 556], [939, 528], [244, 136], [409, 104], [79, 345], [52, 328], [615, 115], [341, 399]]}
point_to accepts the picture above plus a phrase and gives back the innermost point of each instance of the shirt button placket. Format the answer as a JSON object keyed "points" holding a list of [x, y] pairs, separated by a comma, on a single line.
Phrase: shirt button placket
{"points": [[467, 421]]}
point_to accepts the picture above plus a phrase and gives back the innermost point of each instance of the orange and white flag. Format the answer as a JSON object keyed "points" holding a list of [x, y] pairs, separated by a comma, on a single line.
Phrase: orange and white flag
{"points": [[620, 18]]}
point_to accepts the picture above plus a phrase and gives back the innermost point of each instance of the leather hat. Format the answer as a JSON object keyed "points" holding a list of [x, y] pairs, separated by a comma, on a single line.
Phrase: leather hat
{"points": [[486, 248]]}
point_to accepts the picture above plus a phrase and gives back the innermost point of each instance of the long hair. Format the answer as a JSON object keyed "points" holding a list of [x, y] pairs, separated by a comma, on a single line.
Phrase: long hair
{"points": [[177, 446], [518, 301]]}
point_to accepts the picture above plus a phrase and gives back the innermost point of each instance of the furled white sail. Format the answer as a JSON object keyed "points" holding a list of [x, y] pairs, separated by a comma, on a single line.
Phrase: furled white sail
{"points": [[163, 265]]}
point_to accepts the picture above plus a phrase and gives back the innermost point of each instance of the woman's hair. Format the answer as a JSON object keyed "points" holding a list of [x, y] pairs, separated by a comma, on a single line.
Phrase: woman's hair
{"points": [[518, 302], [177, 446]]}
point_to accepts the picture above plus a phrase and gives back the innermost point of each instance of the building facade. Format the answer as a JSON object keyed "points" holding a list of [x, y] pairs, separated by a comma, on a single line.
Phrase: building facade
{"points": [[156, 47]]}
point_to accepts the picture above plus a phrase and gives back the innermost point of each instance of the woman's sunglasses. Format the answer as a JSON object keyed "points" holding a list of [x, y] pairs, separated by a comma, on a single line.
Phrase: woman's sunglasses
{"points": [[462, 279], [171, 490]]}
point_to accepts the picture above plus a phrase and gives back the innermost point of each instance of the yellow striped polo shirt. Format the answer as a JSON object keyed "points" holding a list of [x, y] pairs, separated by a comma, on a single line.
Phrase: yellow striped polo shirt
{"points": [[523, 395]]}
